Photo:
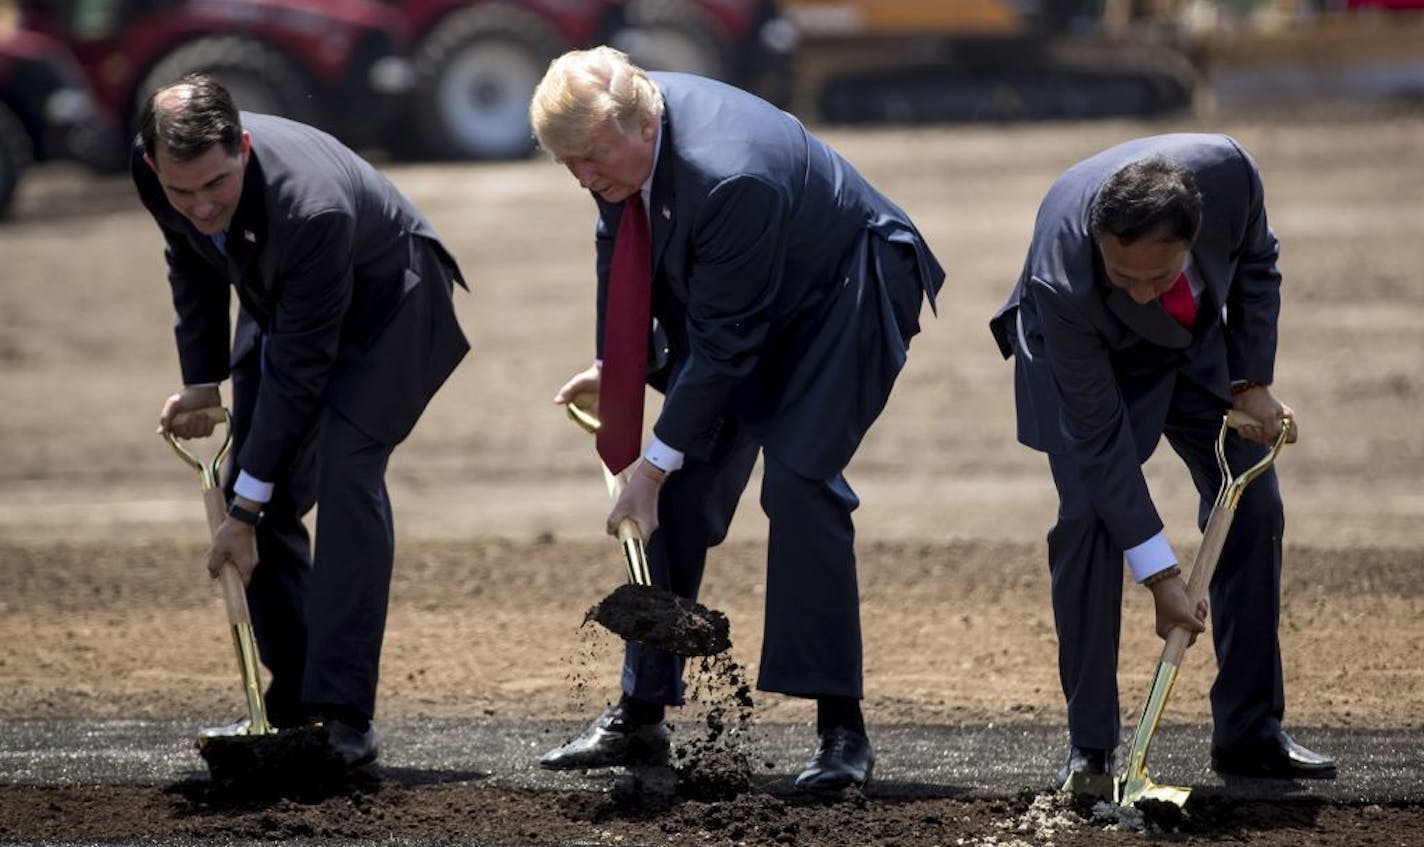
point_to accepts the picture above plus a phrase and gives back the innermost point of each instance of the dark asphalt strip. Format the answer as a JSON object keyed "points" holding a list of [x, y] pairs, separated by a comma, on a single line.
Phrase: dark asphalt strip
{"points": [[1376, 766]]}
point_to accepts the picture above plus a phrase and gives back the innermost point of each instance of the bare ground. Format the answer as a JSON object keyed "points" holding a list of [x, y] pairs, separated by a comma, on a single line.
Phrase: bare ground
{"points": [[104, 611]]}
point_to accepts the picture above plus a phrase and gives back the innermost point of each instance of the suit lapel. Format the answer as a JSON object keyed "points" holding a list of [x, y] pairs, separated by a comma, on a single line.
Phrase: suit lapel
{"points": [[1148, 320], [663, 202], [248, 230]]}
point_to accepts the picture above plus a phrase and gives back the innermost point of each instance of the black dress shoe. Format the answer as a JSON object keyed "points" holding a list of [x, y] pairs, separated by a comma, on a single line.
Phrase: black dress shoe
{"points": [[1277, 757], [1089, 761], [347, 745], [843, 758], [612, 740]]}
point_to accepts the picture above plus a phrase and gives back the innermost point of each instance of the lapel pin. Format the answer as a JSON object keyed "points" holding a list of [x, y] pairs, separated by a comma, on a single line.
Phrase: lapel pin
{"points": [[667, 213], [249, 236]]}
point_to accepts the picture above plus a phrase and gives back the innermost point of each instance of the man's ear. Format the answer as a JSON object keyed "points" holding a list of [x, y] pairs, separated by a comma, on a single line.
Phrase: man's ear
{"points": [[151, 165]]}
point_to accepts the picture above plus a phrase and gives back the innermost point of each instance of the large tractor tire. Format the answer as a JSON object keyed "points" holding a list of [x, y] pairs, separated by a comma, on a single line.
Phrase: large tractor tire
{"points": [[15, 155], [475, 74], [259, 77], [673, 35]]}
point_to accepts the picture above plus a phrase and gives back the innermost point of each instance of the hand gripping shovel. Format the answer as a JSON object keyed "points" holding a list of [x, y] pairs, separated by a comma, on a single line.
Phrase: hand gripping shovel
{"points": [[234, 597], [639, 611], [1135, 787]]}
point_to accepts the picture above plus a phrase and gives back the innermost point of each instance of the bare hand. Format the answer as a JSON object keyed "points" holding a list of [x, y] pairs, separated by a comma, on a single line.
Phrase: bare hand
{"points": [[1262, 405], [1174, 609], [582, 388], [638, 500], [190, 399], [234, 542]]}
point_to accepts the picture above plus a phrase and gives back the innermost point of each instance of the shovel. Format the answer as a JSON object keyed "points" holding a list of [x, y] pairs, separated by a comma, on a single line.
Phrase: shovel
{"points": [[234, 596], [639, 611], [1135, 787]]}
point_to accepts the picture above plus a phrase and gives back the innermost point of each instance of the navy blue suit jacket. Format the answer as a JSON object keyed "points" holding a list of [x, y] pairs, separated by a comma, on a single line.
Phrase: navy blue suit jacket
{"points": [[1094, 370], [324, 254], [779, 301]]}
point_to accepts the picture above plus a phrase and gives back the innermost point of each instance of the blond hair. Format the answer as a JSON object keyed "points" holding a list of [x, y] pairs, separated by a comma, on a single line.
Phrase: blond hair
{"points": [[583, 90]]}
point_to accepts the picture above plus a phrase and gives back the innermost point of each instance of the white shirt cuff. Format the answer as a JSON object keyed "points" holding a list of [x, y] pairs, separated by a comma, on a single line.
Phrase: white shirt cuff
{"points": [[662, 457], [252, 488], [1151, 556]]}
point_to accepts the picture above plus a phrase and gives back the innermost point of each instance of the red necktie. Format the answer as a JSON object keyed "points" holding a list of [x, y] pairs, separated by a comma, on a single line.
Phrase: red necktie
{"points": [[1179, 303], [627, 319]]}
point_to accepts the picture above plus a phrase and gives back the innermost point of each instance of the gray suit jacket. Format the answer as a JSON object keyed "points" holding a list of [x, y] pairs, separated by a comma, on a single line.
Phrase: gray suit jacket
{"points": [[785, 286], [337, 272], [1094, 370]]}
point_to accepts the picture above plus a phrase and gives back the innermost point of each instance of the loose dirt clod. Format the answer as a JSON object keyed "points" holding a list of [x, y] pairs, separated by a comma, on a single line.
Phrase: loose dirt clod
{"points": [[659, 618], [294, 763]]}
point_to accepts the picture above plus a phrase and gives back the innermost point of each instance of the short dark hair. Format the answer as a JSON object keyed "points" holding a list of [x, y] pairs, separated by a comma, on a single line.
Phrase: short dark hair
{"points": [[205, 117], [1147, 196]]}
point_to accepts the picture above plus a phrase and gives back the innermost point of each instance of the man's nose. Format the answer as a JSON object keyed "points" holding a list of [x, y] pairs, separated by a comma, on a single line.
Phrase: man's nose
{"points": [[582, 173]]}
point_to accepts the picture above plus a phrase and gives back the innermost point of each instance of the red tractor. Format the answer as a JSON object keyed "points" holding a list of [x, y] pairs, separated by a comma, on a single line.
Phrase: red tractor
{"points": [[337, 65], [46, 111], [477, 61], [744, 42]]}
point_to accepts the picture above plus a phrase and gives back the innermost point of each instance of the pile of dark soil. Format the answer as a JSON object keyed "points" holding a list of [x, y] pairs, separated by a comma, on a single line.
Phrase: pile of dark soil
{"points": [[296, 763], [475, 813], [659, 618]]}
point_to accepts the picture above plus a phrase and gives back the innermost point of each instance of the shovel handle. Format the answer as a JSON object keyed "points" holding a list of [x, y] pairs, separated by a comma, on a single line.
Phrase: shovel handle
{"points": [[630, 537], [1218, 523], [234, 594], [207, 469]]}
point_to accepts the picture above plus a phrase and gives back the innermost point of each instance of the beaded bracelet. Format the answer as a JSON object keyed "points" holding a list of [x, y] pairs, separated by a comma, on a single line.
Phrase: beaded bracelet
{"points": [[1246, 385], [1161, 576]]}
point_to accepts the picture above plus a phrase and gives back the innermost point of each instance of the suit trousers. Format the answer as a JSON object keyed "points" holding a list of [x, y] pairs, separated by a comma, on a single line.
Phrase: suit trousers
{"points": [[319, 620], [811, 642], [1086, 569]]}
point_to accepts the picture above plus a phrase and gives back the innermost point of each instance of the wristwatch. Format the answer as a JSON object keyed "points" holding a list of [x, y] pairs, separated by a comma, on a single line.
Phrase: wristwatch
{"points": [[246, 516]]}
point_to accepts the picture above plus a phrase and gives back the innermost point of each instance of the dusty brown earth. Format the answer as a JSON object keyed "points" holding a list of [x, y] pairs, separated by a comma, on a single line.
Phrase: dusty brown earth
{"points": [[104, 611]]}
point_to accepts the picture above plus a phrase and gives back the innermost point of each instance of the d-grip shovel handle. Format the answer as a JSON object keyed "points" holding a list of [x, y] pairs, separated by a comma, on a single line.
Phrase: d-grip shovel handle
{"points": [[215, 505], [1219, 522], [629, 535]]}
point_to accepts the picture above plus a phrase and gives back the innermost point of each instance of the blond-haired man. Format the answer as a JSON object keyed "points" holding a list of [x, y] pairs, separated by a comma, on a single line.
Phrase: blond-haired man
{"points": [[780, 292]]}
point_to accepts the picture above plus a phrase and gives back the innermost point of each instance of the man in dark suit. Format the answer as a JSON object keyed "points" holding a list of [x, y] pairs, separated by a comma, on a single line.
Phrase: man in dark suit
{"points": [[785, 290], [1147, 307], [345, 332]]}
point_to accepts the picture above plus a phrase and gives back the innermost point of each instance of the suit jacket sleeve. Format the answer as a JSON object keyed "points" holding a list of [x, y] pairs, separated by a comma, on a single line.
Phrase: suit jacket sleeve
{"points": [[737, 246], [1094, 419], [200, 299], [316, 278], [1253, 303]]}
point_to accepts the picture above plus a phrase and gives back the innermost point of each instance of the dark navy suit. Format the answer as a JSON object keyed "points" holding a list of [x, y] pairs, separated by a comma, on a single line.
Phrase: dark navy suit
{"points": [[1099, 379], [786, 290], [345, 333]]}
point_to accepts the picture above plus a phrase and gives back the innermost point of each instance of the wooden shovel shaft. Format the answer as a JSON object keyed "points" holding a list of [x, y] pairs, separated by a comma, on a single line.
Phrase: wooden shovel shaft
{"points": [[1203, 567], [234, 595]]}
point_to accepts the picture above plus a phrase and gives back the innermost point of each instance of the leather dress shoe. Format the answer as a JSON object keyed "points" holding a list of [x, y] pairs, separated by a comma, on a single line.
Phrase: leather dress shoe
{"points": [[612, 740], [1089, 761], [346, 744], [1277, 757], [843, 758], [228, 730]]}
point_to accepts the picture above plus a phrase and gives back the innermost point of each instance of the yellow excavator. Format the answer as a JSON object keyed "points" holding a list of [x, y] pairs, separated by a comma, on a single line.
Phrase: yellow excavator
{"points": [[913, 61]]}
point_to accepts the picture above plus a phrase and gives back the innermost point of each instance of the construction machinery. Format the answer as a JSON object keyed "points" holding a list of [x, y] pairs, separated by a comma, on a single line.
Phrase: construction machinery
{"points": [[912, 61]]}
